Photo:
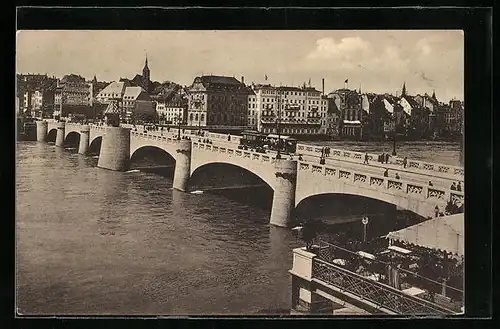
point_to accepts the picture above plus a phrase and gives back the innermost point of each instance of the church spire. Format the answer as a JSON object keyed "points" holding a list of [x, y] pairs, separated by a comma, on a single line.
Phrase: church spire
{"points": [[403, 92], [434, 94], [146, 75]]}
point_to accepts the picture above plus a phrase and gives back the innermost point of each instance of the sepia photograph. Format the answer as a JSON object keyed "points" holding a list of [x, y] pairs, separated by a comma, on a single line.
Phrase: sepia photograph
{"points": [[239, 173]]}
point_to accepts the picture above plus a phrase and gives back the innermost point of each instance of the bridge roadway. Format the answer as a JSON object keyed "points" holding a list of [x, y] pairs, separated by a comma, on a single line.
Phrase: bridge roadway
{"points": [[292, 181], [421, 175]]}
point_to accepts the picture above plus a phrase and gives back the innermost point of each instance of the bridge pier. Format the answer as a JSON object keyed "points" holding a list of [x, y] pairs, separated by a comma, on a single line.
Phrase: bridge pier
{"points": [[84, 140], [182, 165], [60, 134], [284, 192], [41, 130], [115, 149]]}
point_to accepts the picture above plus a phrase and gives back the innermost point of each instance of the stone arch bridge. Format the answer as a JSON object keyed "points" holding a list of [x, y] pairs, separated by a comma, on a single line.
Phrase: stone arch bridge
{"points": [[292, 181]]}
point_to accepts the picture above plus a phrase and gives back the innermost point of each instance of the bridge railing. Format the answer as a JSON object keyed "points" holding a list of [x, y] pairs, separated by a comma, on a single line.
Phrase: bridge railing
{"points": [[314, 150], [382, 295], [154, 137], [231, 152], [395, 186]]}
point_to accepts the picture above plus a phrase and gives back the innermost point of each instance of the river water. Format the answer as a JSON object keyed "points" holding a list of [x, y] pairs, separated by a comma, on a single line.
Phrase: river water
{"points": [[91, 241], [433, 151]]}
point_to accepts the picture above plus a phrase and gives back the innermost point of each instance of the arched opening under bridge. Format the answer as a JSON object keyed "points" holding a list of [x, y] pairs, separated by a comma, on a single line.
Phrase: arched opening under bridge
{"points": [[153, 159], [95, 146], [232, 182], [72, 141], [341, 215], [51, 136]]}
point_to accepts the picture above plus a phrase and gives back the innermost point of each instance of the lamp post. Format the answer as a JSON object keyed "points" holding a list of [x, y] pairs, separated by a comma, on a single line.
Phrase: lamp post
{"points": [[364, 221], [278, 156], [393, 134], [178, 126]]}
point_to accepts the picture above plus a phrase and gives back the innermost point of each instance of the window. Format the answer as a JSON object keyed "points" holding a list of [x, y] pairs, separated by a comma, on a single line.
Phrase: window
{"points": [[191, 117]]}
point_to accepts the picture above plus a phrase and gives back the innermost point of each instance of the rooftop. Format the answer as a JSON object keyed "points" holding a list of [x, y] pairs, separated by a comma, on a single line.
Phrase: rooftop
{"points": [[114, 88], [132, 92]]}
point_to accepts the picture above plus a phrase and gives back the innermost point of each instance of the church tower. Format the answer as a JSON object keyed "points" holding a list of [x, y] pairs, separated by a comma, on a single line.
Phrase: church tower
{"points": [[403, 92], [145, 75]]}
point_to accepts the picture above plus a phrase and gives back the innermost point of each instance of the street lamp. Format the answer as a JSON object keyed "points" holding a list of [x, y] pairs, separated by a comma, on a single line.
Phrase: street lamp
{"points": [[278, 156], [393, 134], [178, 126]]}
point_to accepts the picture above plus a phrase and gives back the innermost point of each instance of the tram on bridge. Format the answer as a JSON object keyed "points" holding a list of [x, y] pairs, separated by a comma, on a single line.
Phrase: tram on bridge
{"points": [[251, 138]]}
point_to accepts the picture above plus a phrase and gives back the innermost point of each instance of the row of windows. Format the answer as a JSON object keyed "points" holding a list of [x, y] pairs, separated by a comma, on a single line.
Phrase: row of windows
{"points": [[294, 114], [291, 93], [292, 130], [111, 95], [301, 107], [294, 101]]}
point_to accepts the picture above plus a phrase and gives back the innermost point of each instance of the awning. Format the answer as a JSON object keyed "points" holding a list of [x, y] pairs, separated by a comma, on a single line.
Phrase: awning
{"points": [[354, 122], [440, 233]]}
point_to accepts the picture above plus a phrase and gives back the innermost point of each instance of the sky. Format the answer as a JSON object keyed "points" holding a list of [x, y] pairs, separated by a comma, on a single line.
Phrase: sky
{"points": [[378, 61]]}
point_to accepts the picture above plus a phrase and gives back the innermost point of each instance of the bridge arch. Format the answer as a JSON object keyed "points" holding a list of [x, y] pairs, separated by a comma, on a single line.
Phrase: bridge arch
{"points": [[419, 207], [138, 148], [139, 152], [95, 145], [51, 135], [72, 138], [265, 178], [71, 129]]}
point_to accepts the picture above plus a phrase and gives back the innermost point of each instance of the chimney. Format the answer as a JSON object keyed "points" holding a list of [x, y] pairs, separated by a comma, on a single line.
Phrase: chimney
{"points": [[242, 79], [323, 86]]}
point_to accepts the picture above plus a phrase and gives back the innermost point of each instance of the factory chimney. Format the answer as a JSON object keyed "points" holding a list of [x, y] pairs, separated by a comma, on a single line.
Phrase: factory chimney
{"points": [[323, 86], [242, 79]]}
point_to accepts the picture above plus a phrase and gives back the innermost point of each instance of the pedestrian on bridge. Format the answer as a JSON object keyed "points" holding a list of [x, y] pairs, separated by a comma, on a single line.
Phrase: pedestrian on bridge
{"points": [[459, 187], [430, 183], [386, 173], [405, 162], [397, 176], [366, 159], [387, 158], [453, 187], [381, 158]]}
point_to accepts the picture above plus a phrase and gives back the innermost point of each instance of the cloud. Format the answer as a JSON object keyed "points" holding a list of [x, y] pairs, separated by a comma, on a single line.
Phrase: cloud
{"points": [[347, 48], [424, 46]]}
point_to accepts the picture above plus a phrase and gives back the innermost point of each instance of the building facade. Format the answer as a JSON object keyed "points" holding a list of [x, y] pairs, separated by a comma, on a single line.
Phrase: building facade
{"points": [[169, 112], [333, 118], [36, 93], [349, 104], [73, 95], [217, 101], [292, 110], [453, 118], [253, 118]]}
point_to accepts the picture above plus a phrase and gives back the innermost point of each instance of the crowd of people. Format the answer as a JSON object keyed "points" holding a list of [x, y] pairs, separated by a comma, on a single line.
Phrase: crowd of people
{"points": [[424, 268]]}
